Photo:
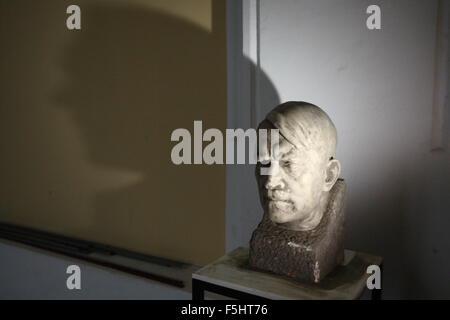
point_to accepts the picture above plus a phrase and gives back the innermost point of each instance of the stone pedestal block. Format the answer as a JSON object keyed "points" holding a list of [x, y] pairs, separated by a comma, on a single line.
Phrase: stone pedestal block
{"points": [[306, 256]]}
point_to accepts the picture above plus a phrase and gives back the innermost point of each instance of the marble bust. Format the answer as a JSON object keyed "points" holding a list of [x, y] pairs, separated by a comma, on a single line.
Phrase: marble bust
{"points": [[301, 232]]}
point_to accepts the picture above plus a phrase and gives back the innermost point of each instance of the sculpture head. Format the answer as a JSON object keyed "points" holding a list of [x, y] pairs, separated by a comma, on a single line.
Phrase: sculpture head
{"points": [[294, 193]]}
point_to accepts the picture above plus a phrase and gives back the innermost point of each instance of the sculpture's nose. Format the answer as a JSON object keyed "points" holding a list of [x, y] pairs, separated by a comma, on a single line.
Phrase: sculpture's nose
{"points": [[273, 179]]}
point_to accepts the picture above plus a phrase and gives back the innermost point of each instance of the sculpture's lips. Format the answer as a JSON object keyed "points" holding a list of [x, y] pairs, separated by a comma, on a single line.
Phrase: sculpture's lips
{"points": [[274, 199]]}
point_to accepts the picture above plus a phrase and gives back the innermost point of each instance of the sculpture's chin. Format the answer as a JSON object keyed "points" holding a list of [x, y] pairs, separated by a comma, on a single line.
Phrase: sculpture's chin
{"points": [[278, 219], [280, 212]]}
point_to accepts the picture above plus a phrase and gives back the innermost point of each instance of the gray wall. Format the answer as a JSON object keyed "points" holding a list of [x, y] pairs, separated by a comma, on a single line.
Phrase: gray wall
{"points": [[377, 86]]}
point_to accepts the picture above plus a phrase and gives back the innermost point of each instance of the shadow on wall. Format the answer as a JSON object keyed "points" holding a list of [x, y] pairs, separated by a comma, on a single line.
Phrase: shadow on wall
{"points": [[87, 117], [135, 76]]}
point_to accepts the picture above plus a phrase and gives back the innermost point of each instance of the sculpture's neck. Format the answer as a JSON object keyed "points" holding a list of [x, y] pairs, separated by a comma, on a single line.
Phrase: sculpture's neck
{"points": [[313, 219]]}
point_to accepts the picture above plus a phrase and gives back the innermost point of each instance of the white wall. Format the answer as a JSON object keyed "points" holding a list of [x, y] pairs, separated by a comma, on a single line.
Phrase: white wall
{"points": [[29, 273], [377, 86]]}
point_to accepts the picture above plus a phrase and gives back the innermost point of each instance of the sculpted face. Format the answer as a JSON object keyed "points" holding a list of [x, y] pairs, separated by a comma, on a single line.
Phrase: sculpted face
{"points": [[294, 194], [294, 184]]}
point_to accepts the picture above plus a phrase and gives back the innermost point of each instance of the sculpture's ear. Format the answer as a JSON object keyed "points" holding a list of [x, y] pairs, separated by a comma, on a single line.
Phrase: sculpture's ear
{"points": [[332, 173]]}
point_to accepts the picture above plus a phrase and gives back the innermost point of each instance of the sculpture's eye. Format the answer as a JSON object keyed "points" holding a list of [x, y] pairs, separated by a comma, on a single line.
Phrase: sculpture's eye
{"points": [[286, 164]]}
